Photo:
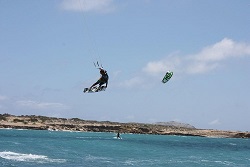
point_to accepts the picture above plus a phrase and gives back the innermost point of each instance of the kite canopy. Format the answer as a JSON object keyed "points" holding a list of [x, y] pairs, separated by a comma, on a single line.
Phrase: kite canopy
{"points": [[167, 77]]}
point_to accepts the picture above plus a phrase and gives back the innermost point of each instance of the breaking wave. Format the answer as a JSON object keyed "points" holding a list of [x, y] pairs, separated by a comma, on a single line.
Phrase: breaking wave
{"points": [[28, 157]]}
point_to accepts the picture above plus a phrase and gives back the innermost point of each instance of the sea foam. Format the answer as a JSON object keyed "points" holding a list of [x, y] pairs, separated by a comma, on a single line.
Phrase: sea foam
{"points": [[28, 157]]}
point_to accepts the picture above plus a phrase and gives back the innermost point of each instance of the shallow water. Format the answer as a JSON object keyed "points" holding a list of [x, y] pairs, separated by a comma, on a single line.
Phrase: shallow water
{"points": [[25, 148]]}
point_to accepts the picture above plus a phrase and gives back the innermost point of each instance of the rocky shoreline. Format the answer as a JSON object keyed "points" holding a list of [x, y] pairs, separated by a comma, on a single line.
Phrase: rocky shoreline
{"points": [[76, 124]]}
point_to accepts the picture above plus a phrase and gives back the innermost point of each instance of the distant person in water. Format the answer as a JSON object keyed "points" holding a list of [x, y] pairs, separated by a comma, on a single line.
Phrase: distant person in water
{"points": [[118, 136]]}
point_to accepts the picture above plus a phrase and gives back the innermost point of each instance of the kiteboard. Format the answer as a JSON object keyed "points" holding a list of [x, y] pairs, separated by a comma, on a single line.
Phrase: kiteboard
{"points": [[94, 89], [118, 138], [167, 76]]}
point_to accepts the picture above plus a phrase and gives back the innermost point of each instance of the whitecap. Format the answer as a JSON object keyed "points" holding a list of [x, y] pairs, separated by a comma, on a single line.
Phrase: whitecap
{"points": [[141, 162], [28, 157], [117, 138], [93, 158]]}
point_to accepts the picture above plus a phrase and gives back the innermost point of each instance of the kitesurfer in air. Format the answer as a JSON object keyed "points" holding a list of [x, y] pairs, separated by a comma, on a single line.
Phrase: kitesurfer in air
{"points": [[103, 79]]}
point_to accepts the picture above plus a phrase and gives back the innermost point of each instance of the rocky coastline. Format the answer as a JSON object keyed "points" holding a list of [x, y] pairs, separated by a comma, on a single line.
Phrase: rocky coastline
{"points": [[75, 124]]}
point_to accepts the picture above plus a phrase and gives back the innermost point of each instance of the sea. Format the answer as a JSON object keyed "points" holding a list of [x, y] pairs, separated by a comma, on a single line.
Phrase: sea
{"points": [[42, 148]]}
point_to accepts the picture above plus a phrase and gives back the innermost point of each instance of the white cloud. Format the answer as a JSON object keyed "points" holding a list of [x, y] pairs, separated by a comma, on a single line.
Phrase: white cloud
{"points": [[215, 122], [222, 50], [132, 82], [3, 97], [206, 60], [41, 105], [200, 67], [156, 67], [103, 6], [116, 74], [211, 57]]}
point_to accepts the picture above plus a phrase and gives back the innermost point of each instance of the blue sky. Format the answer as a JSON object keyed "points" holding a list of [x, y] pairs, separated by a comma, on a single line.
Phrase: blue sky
{"points": [[47, 50]]}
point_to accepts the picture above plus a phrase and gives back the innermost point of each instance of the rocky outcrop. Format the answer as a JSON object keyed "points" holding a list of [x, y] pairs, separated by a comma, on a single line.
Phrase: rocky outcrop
{"points": [[176, 124], [75, 124]]}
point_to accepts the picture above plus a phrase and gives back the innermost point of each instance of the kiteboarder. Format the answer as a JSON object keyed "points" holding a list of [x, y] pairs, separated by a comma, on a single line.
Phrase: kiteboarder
{"points": [[118, 136], [103, 79]]}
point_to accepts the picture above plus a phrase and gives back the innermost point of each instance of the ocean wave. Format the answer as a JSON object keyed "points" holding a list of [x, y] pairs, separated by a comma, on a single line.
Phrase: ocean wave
{"points": [[142, 162], [92, 158], [28, 157]]}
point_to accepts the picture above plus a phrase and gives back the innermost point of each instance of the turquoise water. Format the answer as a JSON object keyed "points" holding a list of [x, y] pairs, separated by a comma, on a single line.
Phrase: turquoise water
{"points": [[25, 148]]}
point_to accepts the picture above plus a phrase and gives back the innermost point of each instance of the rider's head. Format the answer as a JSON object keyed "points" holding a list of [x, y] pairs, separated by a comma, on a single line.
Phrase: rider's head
{"points": [[102, 71]]}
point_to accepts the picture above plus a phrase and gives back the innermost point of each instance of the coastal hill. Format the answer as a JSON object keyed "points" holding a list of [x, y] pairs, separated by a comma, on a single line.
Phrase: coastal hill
{"points": [[75, 124], [176, 124]]}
